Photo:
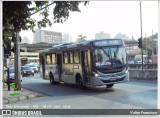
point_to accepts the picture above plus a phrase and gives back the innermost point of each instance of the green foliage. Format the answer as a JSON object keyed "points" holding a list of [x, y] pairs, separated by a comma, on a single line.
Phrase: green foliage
{"points": [[148, 43], [81, 38], [17, 14]]}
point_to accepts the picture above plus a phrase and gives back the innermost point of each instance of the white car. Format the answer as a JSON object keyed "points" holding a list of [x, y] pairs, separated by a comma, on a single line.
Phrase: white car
{"points": [[33, 67], [130, 62], [139, 62]]}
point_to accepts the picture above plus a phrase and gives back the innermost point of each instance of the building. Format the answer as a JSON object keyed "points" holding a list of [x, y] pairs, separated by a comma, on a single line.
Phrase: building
{"points": [[67, 38], [25, 40], [102, 35], [44, 36], [121, 36]]}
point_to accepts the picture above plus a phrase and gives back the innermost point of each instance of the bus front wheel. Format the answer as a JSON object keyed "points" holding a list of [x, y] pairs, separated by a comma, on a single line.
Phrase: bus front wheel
{"points": [[109, 85], [51, 78]]}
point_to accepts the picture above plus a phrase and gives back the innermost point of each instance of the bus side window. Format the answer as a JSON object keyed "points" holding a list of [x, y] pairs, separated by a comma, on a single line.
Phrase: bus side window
{"points": [[76, 56], [65, 57], [70, 56], [48, 59], [53, 58]]}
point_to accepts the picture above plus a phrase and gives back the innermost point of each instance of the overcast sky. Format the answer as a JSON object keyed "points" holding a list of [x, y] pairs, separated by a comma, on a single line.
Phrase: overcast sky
{"points": [[109, 16]]}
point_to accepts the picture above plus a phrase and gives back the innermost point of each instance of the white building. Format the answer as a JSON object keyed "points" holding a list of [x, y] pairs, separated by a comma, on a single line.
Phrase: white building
{"points": [[121, 36], [67, 38], [25, 40], [47, 36], [102, 35]]}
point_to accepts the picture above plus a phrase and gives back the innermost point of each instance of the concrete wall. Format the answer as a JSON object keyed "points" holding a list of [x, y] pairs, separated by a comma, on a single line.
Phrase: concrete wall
{"points": [[146, 74]]}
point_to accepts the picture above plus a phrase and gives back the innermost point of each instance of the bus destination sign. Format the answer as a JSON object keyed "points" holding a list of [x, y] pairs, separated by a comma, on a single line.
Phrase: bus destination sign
{"points": [[108, 42]]}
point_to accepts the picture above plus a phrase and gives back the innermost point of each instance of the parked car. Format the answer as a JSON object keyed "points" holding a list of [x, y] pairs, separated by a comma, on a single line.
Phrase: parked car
{"points": [[139, 62], [26, 70], [11, 75], [33, 67], [130, 62]]}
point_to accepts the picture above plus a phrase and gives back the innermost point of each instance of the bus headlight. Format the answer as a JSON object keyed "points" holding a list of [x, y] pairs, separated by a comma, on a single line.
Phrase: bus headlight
{"points": [[96, 74], [126, 71]]}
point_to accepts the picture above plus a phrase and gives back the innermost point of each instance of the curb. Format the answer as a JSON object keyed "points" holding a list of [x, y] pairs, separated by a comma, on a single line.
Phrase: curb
{"points": [[5, 101], [21, 98], [12, 100], [31, 96]]}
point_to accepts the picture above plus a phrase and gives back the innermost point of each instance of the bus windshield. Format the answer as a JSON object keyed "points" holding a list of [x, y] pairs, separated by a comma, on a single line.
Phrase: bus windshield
{"points": [[110, 57]]}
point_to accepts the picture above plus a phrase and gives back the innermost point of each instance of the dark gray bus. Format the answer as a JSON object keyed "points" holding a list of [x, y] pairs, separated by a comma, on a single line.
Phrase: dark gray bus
{"points": [[90, 63]]}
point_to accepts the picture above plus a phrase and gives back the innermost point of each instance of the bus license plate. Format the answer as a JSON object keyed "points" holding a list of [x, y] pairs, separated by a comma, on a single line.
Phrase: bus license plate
{"points": [[113, 79]]}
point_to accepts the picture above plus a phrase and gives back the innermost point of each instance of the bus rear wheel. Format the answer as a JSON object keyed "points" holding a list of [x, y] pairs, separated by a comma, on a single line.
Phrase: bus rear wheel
{"points": [[109, 85], [51, 78]]}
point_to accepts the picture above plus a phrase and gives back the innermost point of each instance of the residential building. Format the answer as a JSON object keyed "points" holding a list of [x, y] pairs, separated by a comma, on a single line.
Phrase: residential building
{"points": [[102, 35], [67, 38], [121, 36], [46, 36], [25, 40]]}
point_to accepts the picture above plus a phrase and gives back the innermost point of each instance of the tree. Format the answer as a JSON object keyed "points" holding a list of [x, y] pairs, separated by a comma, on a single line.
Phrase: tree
{"points": [[17, 14], [81, 38], [148, 44]]}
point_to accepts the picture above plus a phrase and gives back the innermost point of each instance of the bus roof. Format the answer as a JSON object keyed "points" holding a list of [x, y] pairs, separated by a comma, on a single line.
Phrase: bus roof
{"points": [[94, 42]]}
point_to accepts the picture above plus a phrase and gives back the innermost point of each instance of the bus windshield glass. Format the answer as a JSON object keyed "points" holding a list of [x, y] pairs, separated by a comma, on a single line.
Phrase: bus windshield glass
{"points": [[110, 57]]}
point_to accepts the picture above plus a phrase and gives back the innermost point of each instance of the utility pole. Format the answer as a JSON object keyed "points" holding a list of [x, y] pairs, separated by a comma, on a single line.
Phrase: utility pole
{"points": [[17, 63], [152, 44], [141, 33], [17, 57], [146, 45]]}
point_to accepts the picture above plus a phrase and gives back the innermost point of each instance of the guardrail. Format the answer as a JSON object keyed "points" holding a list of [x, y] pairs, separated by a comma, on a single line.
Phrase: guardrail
{"points": [[145, 66], [146, 74], [149, 72]]}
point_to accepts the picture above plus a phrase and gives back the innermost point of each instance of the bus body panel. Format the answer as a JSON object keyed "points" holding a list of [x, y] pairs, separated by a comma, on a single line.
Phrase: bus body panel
{"points": [[69, 72]]}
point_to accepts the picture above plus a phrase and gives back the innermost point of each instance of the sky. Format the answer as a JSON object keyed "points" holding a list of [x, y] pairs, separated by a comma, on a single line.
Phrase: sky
{"points": [[112, 17]]}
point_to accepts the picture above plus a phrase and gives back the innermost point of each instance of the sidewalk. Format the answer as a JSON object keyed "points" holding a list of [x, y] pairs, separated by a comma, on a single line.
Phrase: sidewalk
{"points": [[13, 97]]}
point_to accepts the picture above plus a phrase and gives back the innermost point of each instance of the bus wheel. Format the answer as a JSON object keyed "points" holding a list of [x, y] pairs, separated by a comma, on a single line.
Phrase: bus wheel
{"points": [[51, 78], [79, 82], [109, 85]]}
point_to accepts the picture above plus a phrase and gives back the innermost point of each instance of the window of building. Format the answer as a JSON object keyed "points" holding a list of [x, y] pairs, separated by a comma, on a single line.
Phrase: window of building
{"points": [[76, 56]]}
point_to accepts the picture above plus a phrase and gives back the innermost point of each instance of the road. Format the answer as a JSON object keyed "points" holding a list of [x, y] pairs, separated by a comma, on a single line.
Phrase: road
{"points": [[129, 95]]}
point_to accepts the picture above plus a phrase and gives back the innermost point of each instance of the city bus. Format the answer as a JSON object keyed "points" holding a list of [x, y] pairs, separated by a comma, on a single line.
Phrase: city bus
{"points": [[89, 63], [29, 57], [26, 58]]}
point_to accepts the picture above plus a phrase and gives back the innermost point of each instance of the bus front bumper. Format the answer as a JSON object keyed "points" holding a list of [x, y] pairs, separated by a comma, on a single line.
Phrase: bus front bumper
{"points": [[104, 80]]}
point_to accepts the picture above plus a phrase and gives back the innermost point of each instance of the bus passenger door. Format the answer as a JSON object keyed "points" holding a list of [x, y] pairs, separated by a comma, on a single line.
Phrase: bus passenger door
{"points": [[59, 63], [43, 67], [85, 66]]}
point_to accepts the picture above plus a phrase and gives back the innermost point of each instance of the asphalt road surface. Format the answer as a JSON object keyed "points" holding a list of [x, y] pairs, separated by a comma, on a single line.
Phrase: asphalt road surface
{"points": [[129, 95]]}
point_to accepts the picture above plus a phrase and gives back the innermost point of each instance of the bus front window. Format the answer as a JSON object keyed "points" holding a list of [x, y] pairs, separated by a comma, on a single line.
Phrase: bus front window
{"points": [[110, 57]]}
